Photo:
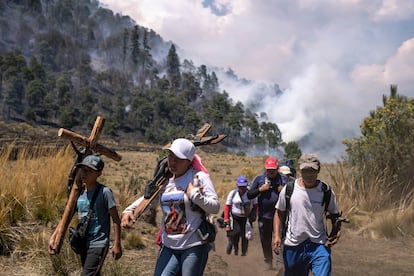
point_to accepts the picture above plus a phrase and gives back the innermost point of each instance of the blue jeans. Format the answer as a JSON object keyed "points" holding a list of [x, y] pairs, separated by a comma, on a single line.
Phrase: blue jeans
{"points": [[191, 261], [299, 260]]}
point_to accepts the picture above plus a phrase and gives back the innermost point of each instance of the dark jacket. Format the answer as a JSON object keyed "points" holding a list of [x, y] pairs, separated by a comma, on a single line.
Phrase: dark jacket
{"points": [[267, 199]]}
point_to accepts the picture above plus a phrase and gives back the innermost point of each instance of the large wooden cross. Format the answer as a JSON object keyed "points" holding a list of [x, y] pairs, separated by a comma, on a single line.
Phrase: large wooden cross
{"points": [[90, 143]]}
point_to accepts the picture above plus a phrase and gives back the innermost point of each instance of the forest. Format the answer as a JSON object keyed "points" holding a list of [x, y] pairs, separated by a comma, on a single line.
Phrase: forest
{"points": [[64, 62]]}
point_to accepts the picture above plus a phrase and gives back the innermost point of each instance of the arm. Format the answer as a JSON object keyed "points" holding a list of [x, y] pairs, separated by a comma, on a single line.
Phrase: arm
{"points": [[255, 211], [128, 218], [206, 198], [51, 248], [54, 246], [116, 249], [278, 218], [226, 212], [336, 219], [255, 190], [252, 193]]}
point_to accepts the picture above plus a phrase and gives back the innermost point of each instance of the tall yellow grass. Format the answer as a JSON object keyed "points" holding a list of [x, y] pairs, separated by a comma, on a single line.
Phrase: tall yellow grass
{"points": [[369, 204], [33, 184]]}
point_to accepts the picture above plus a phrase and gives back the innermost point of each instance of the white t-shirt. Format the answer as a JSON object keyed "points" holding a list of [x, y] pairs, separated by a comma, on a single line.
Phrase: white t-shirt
{"points": [[306, 215], [236, 202]]}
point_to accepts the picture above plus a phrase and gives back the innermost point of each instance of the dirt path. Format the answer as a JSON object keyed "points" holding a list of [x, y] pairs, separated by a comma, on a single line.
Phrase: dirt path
{"points": [[253, 264], [353, 255]]}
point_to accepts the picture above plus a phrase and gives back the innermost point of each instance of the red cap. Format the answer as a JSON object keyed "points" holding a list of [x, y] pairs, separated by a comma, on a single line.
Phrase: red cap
{"points": [[271, 164]]}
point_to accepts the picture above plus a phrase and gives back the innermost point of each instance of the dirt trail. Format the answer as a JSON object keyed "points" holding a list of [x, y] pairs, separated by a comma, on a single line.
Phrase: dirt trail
{"points": [[252, 264], [353, 255]]}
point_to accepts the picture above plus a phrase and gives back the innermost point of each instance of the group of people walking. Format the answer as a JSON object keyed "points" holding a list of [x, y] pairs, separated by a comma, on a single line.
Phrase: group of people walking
{"points": [[292, 220], [190, 195]]}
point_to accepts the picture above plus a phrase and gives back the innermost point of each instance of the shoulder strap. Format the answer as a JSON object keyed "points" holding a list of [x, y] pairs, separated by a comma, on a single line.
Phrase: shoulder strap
{"points": [[234, 193], [289, 190], [327, 192], [288, 194], [94, 196]]}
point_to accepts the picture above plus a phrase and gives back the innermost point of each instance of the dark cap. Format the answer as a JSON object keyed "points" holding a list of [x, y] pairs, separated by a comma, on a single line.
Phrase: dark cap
{"points": [[309, 160], [92, 161]]}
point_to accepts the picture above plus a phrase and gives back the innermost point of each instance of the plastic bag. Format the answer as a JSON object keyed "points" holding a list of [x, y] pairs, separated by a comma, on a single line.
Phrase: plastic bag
{"points": [[248, 234]]}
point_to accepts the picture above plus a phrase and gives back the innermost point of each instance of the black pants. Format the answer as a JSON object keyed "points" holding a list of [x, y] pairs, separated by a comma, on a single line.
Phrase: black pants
{"points": [[266, 235], [92, 261], [239, 232]]}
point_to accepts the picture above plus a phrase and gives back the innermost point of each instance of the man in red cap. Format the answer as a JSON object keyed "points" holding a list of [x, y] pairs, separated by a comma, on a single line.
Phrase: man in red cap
{"points": [[266, 188]]}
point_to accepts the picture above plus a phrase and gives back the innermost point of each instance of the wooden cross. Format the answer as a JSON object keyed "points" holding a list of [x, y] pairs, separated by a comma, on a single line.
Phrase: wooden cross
{"points": [[90, 143], [162, 173]]}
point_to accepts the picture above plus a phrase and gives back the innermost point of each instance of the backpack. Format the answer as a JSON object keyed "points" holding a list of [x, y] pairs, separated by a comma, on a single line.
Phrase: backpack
{"points": [[327, 192], [221, 219]]}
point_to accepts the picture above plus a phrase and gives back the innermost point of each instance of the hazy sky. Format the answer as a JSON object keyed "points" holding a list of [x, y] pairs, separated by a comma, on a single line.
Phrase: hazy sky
{"points": [[333, 59]]}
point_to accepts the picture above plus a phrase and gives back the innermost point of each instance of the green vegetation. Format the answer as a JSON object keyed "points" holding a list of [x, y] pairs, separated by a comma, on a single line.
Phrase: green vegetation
{"points": [[384, 152]]}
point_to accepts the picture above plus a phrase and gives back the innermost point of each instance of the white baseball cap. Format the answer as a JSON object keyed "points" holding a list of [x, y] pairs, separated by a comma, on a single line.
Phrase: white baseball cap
{"points": [[182, 148]]}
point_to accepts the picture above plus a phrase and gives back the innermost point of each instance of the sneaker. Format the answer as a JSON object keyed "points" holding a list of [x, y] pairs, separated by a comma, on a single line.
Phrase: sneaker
{"points": [[243, 254], [236, 253]]}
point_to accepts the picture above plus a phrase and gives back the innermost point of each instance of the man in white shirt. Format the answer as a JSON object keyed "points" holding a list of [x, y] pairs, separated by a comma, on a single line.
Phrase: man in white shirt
{"points": [[306, 246]]}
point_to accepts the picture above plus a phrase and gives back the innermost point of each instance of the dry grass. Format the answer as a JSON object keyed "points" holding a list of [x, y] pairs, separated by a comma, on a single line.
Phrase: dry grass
{"points": [[368, 205], [33, 194]]}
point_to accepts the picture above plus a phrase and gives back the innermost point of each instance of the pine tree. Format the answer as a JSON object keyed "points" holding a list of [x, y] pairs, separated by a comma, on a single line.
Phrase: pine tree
{"points": [[125, 40], [135, 46], [173, 67]]}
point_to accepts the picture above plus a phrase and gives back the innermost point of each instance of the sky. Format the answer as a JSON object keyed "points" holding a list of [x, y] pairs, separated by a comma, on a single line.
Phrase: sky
{"points": [[332, 59]]}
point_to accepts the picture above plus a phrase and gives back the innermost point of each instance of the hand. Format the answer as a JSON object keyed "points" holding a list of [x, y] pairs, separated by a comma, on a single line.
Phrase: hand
{"points": [[277, 242], [190, 187], [227, 223], [265, 187], [117, 251], [50, 249], [127, 220], [333, 240]]}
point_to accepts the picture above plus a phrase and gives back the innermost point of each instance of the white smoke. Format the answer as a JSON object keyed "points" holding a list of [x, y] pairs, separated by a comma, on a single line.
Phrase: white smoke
{"points": [[333, 60]]}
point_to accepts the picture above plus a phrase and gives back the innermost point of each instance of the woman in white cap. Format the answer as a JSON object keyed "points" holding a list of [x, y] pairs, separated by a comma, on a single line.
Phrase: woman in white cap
{"points": [[188, 196]]}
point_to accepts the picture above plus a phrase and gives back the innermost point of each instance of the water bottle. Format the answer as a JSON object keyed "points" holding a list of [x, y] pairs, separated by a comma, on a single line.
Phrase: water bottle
{"points": [[196, 181], [267, 181]]}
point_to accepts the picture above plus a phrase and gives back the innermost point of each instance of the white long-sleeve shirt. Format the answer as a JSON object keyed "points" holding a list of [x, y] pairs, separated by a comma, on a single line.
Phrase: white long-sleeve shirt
{"points": [[180, 221]]}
